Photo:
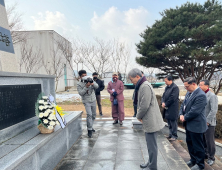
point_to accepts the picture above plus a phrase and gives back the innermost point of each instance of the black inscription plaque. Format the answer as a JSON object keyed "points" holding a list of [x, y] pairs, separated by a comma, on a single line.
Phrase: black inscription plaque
{"points": [[17, 103]]}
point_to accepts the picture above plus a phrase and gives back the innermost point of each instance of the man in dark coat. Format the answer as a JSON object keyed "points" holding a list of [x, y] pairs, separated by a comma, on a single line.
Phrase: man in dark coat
{"points": [[119, 76], [192, 114], [98, 90], [170, 103]]}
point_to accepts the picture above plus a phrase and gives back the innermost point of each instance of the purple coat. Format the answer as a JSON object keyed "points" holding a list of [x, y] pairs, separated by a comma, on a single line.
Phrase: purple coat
{"points": [[119, 87]]}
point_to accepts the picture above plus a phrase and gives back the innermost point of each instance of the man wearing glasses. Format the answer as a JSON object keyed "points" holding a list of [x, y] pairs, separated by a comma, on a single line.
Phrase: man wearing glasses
{"points": [[192, 114]]}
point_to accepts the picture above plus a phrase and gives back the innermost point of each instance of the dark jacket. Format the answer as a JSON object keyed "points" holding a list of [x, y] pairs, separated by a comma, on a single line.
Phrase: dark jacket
{"points": [[194, 114], [101, 86], [120, 77], [171, 99]]}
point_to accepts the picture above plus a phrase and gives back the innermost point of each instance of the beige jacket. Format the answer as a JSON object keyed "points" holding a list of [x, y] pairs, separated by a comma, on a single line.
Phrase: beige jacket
{"points": [[148, 109]]}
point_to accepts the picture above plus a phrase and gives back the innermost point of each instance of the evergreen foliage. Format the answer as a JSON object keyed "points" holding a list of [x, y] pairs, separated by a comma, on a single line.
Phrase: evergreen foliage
{"points": [[187, 41]]}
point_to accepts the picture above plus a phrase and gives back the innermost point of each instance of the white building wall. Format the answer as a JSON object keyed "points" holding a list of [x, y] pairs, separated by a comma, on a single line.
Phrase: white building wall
{"points": [[46, 42]]}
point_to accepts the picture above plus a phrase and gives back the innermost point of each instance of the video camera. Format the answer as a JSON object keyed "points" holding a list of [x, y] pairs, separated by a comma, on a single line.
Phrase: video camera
{"points": [[87, 79]]}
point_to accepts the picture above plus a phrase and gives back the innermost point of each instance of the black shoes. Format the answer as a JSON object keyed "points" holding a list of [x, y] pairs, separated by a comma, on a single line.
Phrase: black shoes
{"points": [[196, 167], [144, 165], [115, 122], [93, 130], [210, 162], [134, 115], [100, 114], [89, 133], [190, 164]]}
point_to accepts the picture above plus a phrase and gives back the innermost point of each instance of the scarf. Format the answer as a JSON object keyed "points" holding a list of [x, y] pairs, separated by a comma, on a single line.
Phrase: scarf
{"points": [[207, 90], [135, 94]]}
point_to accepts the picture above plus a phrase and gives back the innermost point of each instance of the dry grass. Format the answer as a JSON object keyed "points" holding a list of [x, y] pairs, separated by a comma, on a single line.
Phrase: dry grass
{"points": [[106, 107], [183, 93]]}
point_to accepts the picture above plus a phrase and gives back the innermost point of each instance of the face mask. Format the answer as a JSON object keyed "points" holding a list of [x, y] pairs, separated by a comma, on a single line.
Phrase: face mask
{"points": [[94, 78], [114, 78]]}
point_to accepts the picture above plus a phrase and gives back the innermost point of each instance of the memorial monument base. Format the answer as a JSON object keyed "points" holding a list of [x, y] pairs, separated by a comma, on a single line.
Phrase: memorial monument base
{"points": [[32, 150]]}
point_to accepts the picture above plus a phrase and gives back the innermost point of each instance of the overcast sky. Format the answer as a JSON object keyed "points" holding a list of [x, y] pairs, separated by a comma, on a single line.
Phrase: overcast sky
{"points": [[85, 19]]}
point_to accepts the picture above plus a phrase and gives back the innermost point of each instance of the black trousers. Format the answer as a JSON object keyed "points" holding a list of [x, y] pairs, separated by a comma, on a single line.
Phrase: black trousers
{"points": [[135, 109], [98, 99], [172, 128], [195, 144], [210, 147]]}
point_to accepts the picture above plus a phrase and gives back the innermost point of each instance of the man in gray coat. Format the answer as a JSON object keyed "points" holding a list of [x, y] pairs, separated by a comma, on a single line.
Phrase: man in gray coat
{"points": [[86, 89], [210, 112], [148, 114]]}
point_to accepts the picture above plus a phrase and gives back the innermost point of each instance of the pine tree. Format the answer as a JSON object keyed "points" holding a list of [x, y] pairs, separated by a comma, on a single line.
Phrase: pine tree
{"points": [[187, 41]]}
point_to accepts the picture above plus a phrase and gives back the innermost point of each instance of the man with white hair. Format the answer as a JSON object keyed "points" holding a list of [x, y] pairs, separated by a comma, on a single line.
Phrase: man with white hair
{"points": [[148, 114]]}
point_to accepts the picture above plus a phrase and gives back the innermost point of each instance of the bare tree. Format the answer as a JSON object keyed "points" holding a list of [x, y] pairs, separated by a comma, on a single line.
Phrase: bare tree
{"points": [[80, 50], [30, 59], [98, 56], [54, 65], [151, 74], [216, 82], [103, 56], [15, 24], [125, 51], [67, 51]]}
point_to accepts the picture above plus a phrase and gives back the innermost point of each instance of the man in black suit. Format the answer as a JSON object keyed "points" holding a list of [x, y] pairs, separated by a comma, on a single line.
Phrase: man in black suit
{"points": [[98, 90], [170, 104], [192, 114]]}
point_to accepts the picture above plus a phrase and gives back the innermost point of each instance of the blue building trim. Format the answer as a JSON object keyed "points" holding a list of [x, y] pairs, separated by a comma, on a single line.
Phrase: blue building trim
{"points": [[2, 2], [6, 41]]}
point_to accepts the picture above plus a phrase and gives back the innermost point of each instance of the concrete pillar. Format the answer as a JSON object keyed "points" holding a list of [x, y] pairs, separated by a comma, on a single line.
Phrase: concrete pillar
{"points": [[8, 60]]}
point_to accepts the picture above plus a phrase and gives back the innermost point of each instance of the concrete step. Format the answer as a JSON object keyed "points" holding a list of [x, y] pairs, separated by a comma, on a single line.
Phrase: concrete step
{"points": [[186, 157], [171, 156]]}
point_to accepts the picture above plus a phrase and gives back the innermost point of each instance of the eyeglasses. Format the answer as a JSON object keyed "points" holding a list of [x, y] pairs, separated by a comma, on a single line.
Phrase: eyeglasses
{"points": [[186, 86]]}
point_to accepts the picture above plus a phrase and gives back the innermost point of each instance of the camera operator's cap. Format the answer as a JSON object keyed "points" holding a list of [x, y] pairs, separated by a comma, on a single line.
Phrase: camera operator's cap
{"points": [[115, 73]]}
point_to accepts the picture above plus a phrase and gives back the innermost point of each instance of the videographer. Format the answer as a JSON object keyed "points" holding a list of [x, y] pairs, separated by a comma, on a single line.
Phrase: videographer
{"points": [[86, 89]]}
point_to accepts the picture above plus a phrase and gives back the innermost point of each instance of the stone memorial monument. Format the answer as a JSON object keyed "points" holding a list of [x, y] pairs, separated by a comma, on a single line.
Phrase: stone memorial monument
{"points": [[21, 144], [7, 55]]}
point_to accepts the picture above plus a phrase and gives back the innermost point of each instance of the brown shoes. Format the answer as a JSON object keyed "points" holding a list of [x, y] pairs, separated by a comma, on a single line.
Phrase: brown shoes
{"points": [[172, 139], [167, 136]]}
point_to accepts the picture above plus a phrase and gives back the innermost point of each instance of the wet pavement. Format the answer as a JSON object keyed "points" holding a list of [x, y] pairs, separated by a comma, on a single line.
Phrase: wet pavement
{"points": [[115, 147]]}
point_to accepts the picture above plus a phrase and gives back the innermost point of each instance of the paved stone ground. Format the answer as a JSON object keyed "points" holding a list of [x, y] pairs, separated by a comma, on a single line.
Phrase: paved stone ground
{"points": [[117, 148]]}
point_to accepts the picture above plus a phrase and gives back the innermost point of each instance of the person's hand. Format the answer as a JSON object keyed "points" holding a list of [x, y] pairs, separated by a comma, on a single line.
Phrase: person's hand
{"points": [[88, 84], [182, 118], [114, 94], [208, 124], [92, 84], [163, 105], [140, 120]]}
